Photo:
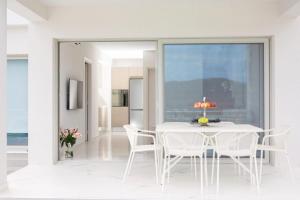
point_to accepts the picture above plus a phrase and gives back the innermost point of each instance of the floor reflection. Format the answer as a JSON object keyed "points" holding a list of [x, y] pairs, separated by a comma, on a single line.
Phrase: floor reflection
{"points": [[107, 146]]}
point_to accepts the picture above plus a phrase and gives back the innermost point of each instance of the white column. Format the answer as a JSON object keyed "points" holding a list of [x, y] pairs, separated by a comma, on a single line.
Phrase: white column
{"points": [[2, 93], [42, 96]]}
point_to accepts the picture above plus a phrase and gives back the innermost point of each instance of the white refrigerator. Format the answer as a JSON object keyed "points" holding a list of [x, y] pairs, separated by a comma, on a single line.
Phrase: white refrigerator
{"points": [[136, 102]]}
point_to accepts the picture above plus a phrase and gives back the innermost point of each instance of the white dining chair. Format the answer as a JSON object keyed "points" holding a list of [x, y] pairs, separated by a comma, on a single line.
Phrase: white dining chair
{"points": [[226, 145], [178, 145], [133, 135], [193, 160], [275, 140], [212, 147]]}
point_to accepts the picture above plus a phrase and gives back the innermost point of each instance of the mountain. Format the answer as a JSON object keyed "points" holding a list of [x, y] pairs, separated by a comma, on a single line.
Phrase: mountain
{"points": [[226, 93]]}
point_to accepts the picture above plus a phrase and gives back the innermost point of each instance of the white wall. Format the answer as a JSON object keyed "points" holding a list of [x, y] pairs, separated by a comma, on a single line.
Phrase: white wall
{"points": [[164, 19], [3, 168], [42, 97], [149, 64], [72, 65], [127, 62], [286, 70], [17, 40], [104, 92]]}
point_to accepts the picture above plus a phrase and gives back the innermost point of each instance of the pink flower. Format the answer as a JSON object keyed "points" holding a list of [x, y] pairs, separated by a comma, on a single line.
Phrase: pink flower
{"points": [[70, 131], [74, 130], [77, 135]]}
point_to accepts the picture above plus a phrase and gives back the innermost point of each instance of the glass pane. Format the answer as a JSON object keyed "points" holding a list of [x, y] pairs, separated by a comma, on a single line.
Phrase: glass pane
{"points": [[17, 93], [229, 74]]}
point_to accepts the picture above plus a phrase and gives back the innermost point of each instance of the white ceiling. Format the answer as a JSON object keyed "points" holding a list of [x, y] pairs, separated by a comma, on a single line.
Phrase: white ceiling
{"points": [[14, 19], [57, 3], [53, 3], [125, 50]]}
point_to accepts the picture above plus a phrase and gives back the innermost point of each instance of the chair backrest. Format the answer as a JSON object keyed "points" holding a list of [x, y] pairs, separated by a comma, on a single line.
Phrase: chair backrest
{"points": [[236, 141], [183, 141], [278, 137], [131, 134]]}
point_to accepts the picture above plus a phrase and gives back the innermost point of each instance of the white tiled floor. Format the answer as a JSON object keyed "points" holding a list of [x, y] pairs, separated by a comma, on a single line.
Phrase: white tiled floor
{"points": [[108, 146], [97, 174]]}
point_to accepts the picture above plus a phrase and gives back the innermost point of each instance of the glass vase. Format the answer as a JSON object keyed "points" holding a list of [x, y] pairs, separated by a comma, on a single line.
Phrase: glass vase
{"points": [[69, 151]]}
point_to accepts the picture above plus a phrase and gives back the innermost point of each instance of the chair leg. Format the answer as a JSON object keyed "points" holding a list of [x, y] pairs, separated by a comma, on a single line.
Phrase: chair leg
{"points": [[205, 168], [261, 165], [256, 178], [163, 180], [201, 173], [127, 166], [256, 173], [158, 161], [130, 166], [251, 170], [218, 173], [169, 168], [290, 167], [212, 167], [195, 167], [239, 167], [156, 165], [191, 164], [240, 172], [161, 157]]}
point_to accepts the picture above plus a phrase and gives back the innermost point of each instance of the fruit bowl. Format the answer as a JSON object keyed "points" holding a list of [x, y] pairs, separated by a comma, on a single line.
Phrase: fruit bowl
{"points": [[203, 121], [210, 122]]}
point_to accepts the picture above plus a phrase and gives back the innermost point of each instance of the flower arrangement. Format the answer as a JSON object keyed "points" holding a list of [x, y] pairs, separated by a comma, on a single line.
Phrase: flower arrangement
{"points": [[68, 138]]}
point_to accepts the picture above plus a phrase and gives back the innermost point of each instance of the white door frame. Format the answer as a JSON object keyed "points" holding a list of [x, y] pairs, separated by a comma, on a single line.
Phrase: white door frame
{"points": [[87, 96]]}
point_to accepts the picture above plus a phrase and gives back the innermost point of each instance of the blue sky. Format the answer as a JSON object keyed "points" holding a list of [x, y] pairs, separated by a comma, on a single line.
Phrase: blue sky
{"points": [[184, 62]]}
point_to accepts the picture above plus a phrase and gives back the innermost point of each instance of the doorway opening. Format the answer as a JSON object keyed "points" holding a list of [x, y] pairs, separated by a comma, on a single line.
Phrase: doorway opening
{"points": [[119, 83]]}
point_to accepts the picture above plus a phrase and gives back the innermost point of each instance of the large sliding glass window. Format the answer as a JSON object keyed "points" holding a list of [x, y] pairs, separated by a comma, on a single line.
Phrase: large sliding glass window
{"points": [[17, 95], [230, 74]]}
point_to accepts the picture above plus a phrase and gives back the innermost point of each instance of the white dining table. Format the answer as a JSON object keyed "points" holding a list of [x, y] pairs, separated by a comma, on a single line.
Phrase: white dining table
{"points": [[209, 130]]}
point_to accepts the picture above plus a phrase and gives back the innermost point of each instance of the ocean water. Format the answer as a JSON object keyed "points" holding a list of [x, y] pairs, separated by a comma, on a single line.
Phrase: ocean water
{"points": [[20, 139]]}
